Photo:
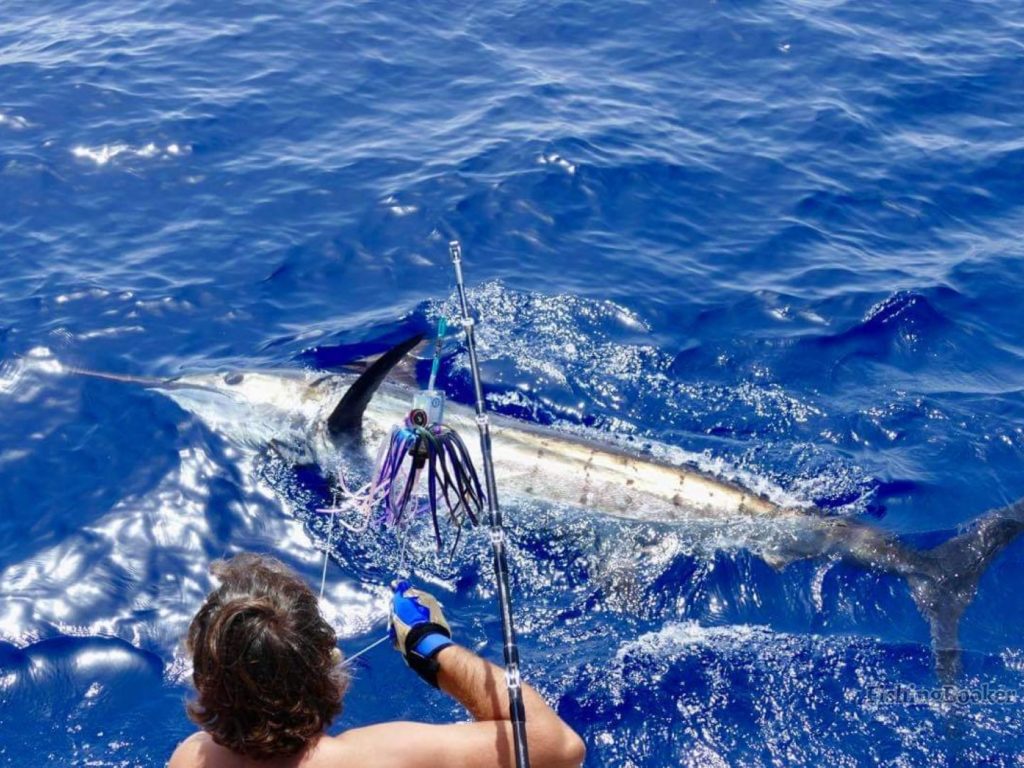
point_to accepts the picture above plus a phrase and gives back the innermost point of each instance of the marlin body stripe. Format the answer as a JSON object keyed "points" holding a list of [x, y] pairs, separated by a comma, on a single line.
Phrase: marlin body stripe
{"points": [[568, 469]]}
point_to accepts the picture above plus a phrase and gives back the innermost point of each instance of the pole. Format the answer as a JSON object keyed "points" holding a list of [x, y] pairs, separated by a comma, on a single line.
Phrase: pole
{"points": [[517, 711]]}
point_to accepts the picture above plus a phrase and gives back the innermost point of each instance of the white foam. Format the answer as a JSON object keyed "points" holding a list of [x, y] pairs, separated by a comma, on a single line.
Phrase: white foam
{"points": [[14, 372], [93, 293], [100, 155], [553, 158], [103, 154], [399, 210], [676, 637], [14, 122], [10, 374], [114, 331], [43, 359], [561, 343]]}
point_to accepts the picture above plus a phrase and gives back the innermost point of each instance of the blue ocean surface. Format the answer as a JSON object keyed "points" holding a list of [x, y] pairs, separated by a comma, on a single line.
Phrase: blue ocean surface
{"points": [[783, 238]]}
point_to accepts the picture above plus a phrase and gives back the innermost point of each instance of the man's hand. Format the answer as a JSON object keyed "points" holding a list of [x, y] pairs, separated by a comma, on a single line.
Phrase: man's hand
{"points": [[418, 629]]}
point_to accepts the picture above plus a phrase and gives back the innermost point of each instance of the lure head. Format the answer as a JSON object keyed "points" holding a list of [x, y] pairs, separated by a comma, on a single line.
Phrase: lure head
{"points": [[431, 403]]}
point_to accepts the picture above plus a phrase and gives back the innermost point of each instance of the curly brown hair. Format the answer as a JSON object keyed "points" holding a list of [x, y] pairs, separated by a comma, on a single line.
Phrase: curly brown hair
{"points": [[264, 665]]}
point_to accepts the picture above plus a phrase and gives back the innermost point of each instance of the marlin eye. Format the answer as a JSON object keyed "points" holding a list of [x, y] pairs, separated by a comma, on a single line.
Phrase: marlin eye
{"points": [[231, 379]]}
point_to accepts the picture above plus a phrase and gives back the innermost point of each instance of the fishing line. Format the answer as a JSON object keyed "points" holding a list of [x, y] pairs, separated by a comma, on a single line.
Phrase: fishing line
{"points": [[403, 549], [349, 659], [327, 549]]}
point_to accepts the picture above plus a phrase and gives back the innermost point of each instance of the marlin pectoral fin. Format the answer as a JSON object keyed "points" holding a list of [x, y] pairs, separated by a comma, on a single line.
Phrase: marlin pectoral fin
{"points": [[348, 414]]}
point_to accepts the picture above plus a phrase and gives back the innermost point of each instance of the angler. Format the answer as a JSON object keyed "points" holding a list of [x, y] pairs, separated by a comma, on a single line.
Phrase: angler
{"points": [[269, 681]]}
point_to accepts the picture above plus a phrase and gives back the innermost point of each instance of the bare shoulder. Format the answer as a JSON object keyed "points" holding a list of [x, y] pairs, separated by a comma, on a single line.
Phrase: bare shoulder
{"points": [[420, 745], [200, 751], [386, 745], [192, 752]]}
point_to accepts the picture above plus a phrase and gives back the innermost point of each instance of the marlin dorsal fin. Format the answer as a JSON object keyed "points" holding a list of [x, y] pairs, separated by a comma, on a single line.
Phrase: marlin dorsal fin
{"points": [[348, 414]]}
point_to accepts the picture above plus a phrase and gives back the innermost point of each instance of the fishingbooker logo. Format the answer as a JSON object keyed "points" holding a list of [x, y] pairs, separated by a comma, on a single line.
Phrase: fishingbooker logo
{"points": [[984, 694]]}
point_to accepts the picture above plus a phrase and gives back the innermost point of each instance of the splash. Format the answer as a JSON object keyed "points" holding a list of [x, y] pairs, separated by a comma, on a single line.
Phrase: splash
{"points": [[735, 695], [582, 364]]}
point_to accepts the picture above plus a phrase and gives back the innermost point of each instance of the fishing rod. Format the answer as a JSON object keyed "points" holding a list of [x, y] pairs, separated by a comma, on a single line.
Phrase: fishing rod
{"points": [[424, 450], [517, 710]]}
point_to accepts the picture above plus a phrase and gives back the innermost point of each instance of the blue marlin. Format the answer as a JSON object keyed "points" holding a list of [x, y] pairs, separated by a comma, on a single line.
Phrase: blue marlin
{"points": [[326, 419]]}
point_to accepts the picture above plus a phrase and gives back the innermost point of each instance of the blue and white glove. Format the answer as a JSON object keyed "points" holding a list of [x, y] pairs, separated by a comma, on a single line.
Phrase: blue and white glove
{"points": [[418, 629]]}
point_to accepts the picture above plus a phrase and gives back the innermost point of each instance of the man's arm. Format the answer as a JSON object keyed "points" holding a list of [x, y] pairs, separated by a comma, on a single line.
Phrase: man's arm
{"points": [[422, 635], [487, 743], [481, 688]]}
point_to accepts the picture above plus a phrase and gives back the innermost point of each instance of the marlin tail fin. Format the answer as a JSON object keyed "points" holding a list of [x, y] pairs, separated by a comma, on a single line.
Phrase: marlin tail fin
{"points": [[944, 579]]}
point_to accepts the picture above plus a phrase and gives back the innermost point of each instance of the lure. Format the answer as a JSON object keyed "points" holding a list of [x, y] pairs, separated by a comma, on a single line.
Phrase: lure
{"points": [[422, 445]]}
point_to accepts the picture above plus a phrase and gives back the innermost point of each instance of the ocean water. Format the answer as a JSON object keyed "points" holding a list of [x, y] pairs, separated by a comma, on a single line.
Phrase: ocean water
{"points": [[782, 238]]}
